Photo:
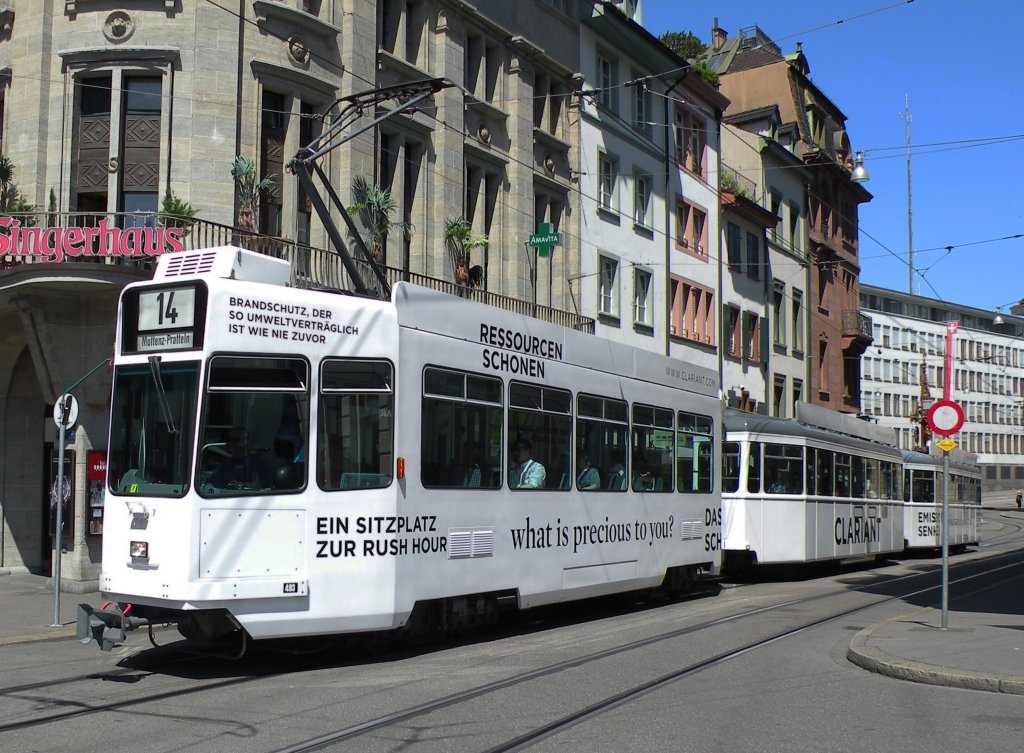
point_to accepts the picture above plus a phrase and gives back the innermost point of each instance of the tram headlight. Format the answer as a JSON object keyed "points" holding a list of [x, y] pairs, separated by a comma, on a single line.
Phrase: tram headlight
{"points": [[139, 550]]}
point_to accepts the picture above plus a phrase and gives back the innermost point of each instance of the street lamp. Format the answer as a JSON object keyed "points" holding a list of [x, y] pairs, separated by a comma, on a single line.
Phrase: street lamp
{"points": [[860, 173]]}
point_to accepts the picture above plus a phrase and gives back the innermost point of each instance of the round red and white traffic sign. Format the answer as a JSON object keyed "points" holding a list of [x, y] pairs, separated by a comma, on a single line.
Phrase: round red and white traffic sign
{"points": [[945, 417]]}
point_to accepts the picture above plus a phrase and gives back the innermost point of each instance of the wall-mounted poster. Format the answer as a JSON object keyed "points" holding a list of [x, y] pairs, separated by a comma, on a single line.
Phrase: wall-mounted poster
{"points": [[96, 465]]}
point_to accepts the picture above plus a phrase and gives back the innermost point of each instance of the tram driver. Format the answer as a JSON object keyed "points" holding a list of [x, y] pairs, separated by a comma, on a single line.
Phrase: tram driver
{"points": [[527, 473], [242, 468]]}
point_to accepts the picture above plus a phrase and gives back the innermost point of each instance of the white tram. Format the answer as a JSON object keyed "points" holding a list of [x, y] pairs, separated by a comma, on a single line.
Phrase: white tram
{"points": [[795, 492], [290, 462], [922, 496]]}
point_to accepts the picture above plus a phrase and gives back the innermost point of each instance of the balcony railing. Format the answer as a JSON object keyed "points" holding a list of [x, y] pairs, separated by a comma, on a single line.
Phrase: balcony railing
{"points": [[736, 182], [311, 267], [856, 324]]}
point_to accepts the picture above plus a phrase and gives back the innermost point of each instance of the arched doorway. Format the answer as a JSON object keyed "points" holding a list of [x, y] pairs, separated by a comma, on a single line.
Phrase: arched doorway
{"points": [[26, 542]]}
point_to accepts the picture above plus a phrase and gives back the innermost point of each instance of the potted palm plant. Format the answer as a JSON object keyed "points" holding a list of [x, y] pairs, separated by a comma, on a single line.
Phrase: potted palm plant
{"points": [[243, 172], [375, 207], [458, 234]]}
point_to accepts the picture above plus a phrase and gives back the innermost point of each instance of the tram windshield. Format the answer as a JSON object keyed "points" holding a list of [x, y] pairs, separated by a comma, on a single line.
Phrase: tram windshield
{"points": [[151, 428], [255, 429]]}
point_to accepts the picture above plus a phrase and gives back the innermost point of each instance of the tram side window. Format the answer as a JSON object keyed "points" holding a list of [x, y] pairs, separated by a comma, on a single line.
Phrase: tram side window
{"points": [[695, 455], [783, 469], [842, 465], [462, 430], [810, 466], [754, 468], [823, 472], [923, 486], [150, 448], [891, 479], [872, 479], [255, 426], [355, 432], [859, 477], [602, 426], [653, 449], [730, 467], [539, 437], [897, 481]]}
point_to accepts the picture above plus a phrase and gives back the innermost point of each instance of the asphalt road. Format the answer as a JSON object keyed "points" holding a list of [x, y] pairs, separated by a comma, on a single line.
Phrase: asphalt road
{"points": [[758, 666]]}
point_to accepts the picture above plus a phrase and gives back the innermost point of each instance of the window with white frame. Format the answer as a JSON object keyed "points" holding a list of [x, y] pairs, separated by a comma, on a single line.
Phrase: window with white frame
{"points": [[608, 286], [779, 313], [777, 211], [607, 177], [795, 240], [691, 229], [607, 81], [690, 136], [798, 321], [751, 337], [642, 200], [641, 291], [641, 104], [779, 396]]}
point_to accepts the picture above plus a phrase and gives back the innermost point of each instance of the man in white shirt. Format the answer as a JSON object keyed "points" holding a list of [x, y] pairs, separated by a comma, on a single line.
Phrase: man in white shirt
{"points": [[526, 473]]}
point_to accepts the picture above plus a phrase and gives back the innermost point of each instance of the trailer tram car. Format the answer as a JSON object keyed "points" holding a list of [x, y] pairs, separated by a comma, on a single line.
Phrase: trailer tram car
{"points": [[288, 462], [922, 496], [822, 487]]}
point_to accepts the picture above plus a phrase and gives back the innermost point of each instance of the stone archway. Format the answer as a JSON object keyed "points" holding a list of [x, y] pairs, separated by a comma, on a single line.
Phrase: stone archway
{"points": [[21, 493]]}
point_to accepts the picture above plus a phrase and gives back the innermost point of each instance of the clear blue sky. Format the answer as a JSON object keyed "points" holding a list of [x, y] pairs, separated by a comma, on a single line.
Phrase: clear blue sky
{"points": [[962, 66]]}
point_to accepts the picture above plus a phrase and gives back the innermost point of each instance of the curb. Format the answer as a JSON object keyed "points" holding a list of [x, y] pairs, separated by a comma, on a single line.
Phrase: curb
{"points": [[878, 661], [61, 634]]}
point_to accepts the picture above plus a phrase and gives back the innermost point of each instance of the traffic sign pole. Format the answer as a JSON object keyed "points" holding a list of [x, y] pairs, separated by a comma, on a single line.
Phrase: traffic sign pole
{"points": [[65, 413], [57, 533], [945, 540], [946, 418]]}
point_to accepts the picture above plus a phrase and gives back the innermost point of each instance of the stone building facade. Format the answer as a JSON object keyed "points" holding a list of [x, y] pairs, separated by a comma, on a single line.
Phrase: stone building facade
{"points": [[106, 108]]}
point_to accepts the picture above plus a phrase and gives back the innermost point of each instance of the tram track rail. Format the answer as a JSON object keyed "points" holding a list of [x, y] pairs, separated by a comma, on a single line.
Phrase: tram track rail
{"points": [[526, 740], [83, 708]]}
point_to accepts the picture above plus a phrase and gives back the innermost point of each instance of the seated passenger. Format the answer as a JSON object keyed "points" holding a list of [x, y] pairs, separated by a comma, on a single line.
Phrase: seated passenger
{"points": [[616, 480], [643, 481], [526, 473], [242, 468], [587, 477]]}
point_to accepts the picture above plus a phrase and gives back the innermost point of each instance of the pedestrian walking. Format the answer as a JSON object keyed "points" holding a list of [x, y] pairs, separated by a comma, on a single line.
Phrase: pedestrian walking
{"points": [[1020, 500]]}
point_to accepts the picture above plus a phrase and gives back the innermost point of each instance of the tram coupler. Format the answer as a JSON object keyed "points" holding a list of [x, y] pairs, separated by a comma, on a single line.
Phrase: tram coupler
{"points": [[105, 626]]}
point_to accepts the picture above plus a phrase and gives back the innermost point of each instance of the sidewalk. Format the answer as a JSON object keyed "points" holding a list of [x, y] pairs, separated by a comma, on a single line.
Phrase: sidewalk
{"points": [[27, 611], [979, 651], [983, 647]]}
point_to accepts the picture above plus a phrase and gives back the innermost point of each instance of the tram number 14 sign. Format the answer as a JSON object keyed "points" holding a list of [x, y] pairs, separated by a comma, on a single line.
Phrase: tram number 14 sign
{"points": [[945, 417]]}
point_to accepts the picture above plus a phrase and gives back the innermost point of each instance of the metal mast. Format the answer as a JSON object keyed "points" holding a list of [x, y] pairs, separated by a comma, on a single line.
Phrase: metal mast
{"points": [[905, 115]]}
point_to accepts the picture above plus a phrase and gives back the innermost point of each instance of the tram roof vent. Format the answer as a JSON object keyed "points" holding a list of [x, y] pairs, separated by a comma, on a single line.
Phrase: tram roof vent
{"points": [[229, 262]]}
